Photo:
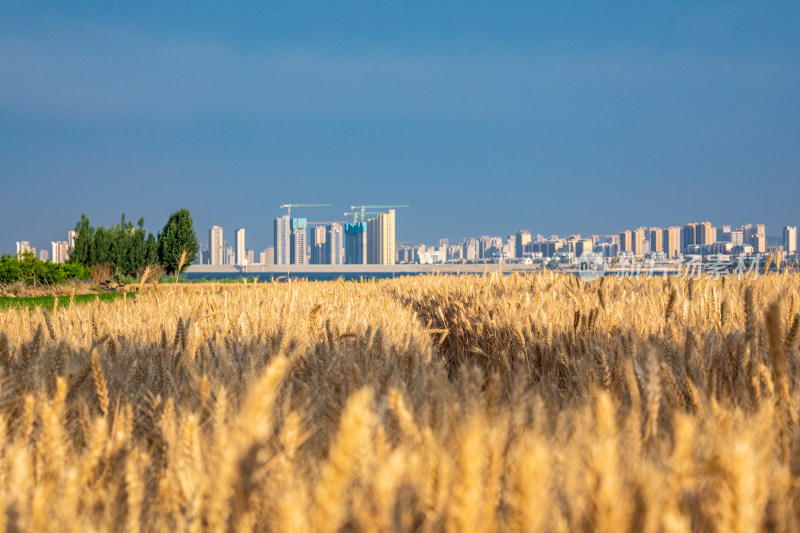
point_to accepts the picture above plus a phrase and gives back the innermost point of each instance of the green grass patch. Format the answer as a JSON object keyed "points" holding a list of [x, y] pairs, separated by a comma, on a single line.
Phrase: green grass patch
{"points": [[47, 302]]}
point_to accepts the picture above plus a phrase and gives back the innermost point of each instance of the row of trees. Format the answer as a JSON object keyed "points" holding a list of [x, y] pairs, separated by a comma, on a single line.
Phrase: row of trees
{"points": [[28, 269], [129, 248]]}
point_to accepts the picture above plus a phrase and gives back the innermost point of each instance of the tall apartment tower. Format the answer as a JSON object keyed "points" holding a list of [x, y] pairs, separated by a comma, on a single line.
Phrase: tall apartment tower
{"points": [[583, 245], [706, 233], [626, 241], [215, 246], [71, 236], [267, 257], [60, 251], [759, 243], [790, 239], [318, 248], [672, 242], [470, 250], [750, 234], [241, 252], [656, 240], [283, 234], [334, 243], [297, 242], [523, 239], [355, 243], [690, 235], [22, 247], [380, 236], [638, 241]]}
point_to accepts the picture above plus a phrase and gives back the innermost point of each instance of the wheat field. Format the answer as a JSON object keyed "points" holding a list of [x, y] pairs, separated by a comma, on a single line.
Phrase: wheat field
{"points": [[429, 403]]}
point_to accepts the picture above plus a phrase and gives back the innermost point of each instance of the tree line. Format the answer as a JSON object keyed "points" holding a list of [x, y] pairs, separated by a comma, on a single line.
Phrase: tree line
{"points": [[130, 249], [29, 270]]}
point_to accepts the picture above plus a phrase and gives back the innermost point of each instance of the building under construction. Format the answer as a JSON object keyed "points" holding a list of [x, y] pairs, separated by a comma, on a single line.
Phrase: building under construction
{"points": [[362, 242]]}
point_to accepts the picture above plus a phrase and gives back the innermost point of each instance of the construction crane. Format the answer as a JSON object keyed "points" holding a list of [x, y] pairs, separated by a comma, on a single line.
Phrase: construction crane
{"points": [[290, 206], [363, 208], [326, 223], [362, 214]]}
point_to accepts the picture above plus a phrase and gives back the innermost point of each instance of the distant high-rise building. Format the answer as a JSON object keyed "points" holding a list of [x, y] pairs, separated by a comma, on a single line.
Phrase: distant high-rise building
{"points": [[757, 237], [626, 241], [759, 243], [318, 248], [335, 244], [790, 239], [297, 242], [283, 237], [656, 240], [355, 243], [216, 246], [251, 256], [44, 255], [638, 241], [672, 242], [510, 246], [470, 250], [267, 257], [229, 256], [22, 247], [750, 234], [381, 239], [523, 238], [583, 245], [60, 251], [706, 233], [690, 235], [241, 251], [455, 253], [485, 247], [71, 236]]}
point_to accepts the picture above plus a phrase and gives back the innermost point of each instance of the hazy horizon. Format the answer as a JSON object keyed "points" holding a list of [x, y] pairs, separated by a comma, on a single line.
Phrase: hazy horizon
{"points": [[580, 118]]}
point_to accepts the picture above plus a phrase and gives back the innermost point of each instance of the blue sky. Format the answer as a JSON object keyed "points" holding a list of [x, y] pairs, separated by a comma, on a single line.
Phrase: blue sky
{"points": [[557, 117]]}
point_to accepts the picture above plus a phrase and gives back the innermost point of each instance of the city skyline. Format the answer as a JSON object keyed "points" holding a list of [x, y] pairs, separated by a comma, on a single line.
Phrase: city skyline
{"points": [[568, 118], [702, 233], [370, 243]]}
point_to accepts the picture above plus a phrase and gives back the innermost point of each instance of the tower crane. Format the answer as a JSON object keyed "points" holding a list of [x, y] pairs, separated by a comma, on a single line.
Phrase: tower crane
{"points": [[326, 223], [362, 214], [290, 206], [363, 208]]}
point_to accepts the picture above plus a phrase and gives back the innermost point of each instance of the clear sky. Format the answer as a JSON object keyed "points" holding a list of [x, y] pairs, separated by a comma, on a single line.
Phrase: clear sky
{"points": [[557, 117]]}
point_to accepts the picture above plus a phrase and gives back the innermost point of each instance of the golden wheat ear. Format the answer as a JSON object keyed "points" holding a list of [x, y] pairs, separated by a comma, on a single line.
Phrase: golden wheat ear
{"points": [[182, 258], [145, 274]]}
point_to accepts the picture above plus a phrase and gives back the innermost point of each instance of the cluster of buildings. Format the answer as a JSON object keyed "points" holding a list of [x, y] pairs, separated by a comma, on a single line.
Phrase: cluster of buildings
{"points": [[696, 239], [372, 241], [298, 242], [58, 253]]}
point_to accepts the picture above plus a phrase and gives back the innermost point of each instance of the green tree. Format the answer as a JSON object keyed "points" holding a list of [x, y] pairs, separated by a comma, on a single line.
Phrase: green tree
{"points": [[83, 250], [127, 247], [151, 250], [28, 269], [552, 264], [178, 235]]}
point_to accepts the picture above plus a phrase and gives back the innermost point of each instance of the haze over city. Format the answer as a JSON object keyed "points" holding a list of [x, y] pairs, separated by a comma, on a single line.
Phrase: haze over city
{"points": [[579, 118]]}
